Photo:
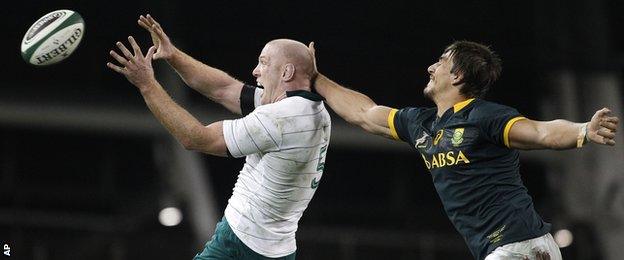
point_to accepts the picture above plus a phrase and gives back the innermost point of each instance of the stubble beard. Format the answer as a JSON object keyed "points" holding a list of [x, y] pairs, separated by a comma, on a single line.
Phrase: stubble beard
{"points": [[428, 92]]}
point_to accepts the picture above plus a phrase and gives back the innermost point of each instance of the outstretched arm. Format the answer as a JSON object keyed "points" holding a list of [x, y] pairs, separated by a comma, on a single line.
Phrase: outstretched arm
{"points": [[356, 108], [180, 123], [561, 134], [210, 82]]}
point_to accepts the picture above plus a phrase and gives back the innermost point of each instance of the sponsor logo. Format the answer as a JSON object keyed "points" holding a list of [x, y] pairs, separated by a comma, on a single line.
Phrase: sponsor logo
{"points": [[438, 137], [43, 23], [440, 160], [60, 49]]}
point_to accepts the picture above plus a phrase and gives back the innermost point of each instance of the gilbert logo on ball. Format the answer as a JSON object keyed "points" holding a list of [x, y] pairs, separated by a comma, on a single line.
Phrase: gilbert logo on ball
{"points": [[53, 37]]}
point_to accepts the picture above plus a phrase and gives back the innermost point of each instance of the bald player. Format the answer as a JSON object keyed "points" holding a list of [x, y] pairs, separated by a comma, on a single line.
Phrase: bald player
{"points": [[284, 136]]}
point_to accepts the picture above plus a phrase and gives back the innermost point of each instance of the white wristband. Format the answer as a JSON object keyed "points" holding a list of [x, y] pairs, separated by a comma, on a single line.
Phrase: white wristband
{"points": [[581, 139]]}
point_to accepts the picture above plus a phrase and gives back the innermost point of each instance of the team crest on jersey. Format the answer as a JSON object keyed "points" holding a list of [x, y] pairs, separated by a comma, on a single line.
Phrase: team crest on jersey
{"points": [[422, 142], [458, 136]]}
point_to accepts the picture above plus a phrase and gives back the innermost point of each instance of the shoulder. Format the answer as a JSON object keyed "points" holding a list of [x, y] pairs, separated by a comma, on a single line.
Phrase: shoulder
{"points": [[293, 107], [415, 113], [488, 109], [274, 110]]}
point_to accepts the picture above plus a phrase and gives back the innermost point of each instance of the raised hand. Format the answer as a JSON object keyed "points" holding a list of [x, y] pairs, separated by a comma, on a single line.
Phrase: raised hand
{"points": [[164, 47], [136, 67], [602, 127], [313, 54]]}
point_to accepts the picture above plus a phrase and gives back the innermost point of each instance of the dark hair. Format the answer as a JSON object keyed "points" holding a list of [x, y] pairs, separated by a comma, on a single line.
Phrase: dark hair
{"points": [[479, 66]]}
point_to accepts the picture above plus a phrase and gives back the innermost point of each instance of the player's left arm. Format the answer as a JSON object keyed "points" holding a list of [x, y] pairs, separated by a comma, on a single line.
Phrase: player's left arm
{"points": [[562, 134], [180, 123]]}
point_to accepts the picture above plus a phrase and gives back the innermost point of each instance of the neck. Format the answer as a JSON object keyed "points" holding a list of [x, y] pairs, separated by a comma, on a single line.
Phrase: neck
{"points": [[297, 85], [445, 101], [281, 96], [291, 86]]}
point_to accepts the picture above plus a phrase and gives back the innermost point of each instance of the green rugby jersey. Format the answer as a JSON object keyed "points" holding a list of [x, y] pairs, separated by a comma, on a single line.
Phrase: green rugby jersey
{"points": [[474, 171]]}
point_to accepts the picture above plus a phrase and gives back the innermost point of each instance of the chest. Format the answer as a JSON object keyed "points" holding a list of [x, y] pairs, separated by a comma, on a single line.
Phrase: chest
{"points": [[446, 144]]}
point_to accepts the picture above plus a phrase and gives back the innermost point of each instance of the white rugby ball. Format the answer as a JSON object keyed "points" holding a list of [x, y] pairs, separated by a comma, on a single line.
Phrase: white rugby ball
{"points": [[53, 37]]}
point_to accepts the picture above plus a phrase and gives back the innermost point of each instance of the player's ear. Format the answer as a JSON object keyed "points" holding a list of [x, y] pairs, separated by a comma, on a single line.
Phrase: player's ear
{"points": [[288, 73], [457, 78]]}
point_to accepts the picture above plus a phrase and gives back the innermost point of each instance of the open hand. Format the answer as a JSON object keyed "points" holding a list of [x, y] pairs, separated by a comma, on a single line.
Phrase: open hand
{"points": [[136, 67], [164, 47], [602, 127]]}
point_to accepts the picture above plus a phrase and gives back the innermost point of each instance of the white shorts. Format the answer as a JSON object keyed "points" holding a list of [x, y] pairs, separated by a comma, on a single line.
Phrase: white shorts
{"points": [[527, 249]]}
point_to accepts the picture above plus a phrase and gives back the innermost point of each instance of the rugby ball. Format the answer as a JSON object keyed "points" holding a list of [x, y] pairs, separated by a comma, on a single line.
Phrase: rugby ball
{"points": [[53, 37]]}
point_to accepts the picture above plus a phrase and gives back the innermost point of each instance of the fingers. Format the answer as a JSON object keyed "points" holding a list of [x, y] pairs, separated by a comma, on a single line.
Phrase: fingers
{"points": [[150, 53], [159, 31], [605, 126], [603, 112], [542, 256], [115, 68], [124, 50], [148, 23], [313, 54], [147, 20], [118, 58], [607, 136], [151, 20], [143, 23], [135, 47], [144, 20], [606, 133], [609, 125], [612, 119]]}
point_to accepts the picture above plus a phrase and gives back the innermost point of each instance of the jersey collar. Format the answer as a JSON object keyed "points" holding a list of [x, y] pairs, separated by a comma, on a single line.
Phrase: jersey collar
{"points": [[305, 94], [459, 106]]}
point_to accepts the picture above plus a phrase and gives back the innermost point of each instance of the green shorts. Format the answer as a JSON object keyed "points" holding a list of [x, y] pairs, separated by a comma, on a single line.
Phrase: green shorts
{"points": [[224, 244]]}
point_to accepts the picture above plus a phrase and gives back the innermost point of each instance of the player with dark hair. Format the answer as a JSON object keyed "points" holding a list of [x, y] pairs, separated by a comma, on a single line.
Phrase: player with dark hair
{"points": [[470, 147], [284, 136]]}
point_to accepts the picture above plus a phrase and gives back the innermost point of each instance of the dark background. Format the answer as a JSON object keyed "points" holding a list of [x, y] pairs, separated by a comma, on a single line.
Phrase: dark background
{"points": [[57, 181]]}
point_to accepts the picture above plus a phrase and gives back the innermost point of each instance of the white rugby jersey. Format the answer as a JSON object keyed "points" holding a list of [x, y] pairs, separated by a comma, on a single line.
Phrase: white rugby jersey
{"points": [[285, 144]]}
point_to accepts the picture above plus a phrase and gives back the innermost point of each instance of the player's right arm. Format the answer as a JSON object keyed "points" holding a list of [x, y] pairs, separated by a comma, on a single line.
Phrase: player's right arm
{"points": [[210, 82]]}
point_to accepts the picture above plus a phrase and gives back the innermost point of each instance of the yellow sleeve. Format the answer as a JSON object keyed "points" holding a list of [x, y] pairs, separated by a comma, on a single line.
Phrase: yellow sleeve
{"points": [[393, 131], [508, 126]]}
